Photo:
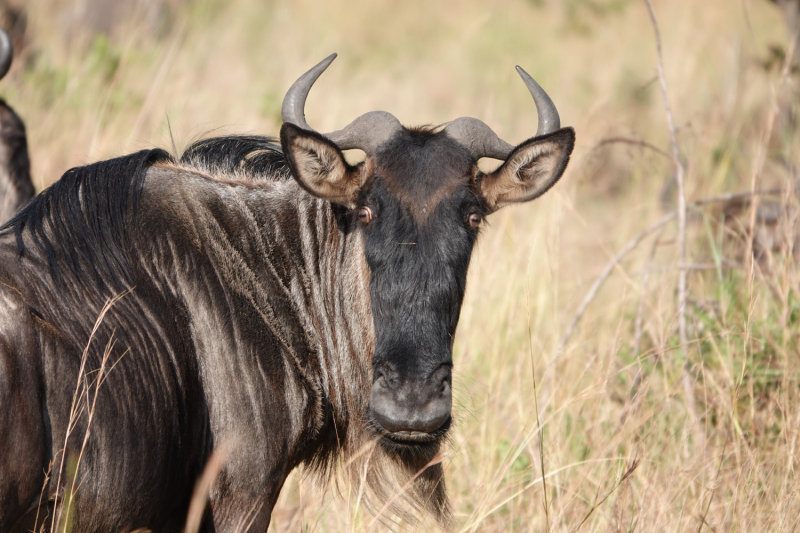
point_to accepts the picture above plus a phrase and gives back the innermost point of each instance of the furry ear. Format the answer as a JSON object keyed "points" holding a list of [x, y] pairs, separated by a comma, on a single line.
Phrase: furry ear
{"points": [[532, 168], [319, 166]]}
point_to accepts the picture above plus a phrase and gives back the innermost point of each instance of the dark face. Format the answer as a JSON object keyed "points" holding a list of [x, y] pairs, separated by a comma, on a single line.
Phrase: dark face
{"points": [[422, 213], [419, 201]]}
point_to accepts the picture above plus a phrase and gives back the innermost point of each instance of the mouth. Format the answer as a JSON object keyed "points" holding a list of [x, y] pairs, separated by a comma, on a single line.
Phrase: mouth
{"points": [[408, 438]]}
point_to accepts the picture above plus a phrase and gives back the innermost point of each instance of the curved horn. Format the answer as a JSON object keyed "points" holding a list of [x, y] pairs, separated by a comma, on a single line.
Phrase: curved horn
{"points": [[294, 103], [549, 120], [6, 52], [481, 141], [367, 132]]}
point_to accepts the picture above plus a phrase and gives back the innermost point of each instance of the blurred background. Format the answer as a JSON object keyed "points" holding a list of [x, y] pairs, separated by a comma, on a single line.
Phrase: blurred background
{"points": [[608, 426]]}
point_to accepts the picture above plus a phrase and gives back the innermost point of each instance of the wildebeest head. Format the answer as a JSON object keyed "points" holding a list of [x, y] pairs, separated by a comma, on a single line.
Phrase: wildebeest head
{"points": [[419, 200]]}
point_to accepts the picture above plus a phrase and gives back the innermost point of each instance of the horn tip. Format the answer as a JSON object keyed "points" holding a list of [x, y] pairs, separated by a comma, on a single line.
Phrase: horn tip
{"points": [[523, 73], [6, 52]]}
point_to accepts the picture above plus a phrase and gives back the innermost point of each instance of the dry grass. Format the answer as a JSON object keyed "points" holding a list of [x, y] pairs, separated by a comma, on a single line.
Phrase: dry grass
{"points": [[226, 65]]}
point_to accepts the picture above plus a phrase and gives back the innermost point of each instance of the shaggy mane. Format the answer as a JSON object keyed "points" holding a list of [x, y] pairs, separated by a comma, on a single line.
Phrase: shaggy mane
{"points": [[252, 155], [83, 217]]}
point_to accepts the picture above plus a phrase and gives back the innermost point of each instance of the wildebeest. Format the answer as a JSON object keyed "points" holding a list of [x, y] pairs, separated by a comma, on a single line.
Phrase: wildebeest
{"points": [[16, 187], [268, 298]]}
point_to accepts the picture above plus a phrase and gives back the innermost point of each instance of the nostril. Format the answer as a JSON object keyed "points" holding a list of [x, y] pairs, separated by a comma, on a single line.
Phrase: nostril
{"points": [[444, 377], [443, 373], [384, 378]]}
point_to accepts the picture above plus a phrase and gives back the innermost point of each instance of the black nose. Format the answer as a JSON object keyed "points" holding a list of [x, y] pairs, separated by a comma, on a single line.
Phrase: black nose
{"points": [[411, 405]]}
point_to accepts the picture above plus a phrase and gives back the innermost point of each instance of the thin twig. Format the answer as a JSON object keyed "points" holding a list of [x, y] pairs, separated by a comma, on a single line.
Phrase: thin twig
{"points": [[538, 420], [628, 473], [91, 409], [716, 479], [76, 407], [203, 486], [637, 338], [634, 142], [163, 70], [41, 496], [640, 310]]}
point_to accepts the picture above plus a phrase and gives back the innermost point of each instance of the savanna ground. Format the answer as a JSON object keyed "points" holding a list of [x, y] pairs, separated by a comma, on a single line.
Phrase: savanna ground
{"points": [[710, 425]]}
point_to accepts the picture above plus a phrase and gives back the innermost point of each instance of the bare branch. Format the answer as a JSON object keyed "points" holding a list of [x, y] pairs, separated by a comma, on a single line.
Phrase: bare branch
{"points": [[634, 242], [728, 265], [735, 196], [634, 142], [679, 176]]}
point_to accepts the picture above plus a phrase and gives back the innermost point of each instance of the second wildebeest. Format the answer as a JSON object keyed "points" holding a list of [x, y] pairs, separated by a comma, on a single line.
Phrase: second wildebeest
{"points": [[270, 300], [16, 187]]}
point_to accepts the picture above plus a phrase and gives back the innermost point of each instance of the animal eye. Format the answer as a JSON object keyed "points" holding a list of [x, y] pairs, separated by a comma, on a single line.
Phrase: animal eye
{"points": [[365, 214], [475, 220]]}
